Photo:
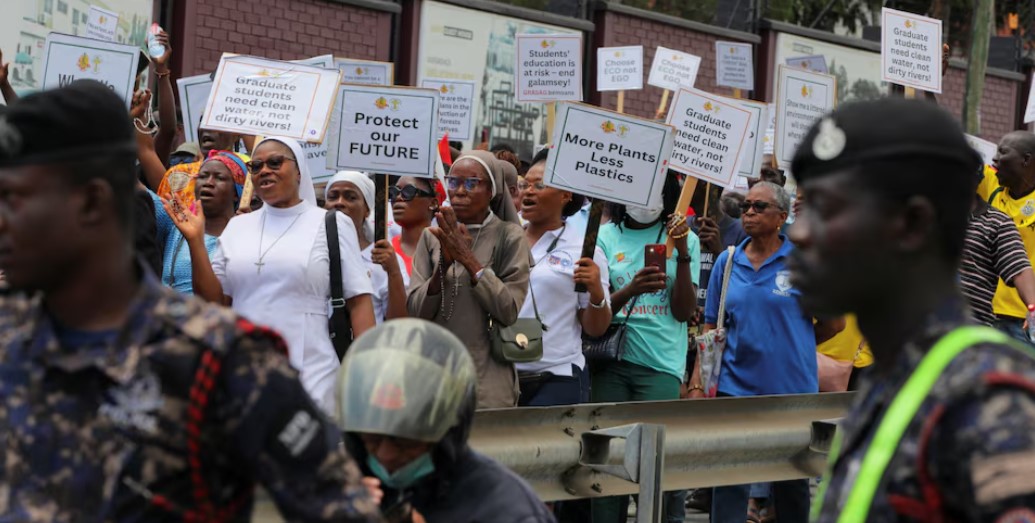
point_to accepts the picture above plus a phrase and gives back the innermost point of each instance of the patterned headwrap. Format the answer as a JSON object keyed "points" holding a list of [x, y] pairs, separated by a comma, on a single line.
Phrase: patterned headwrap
{"points": [[234, 163]]}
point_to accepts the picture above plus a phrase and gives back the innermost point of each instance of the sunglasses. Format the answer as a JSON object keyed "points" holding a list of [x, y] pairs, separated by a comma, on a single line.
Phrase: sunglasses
{"points": [[758, 206], [408, 193], [273, 162], [454, 183], [524, 186]]}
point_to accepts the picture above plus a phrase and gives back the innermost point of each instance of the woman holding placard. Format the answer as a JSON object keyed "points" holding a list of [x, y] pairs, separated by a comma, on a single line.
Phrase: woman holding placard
{"points": [[560, 378], [654, 298], [471, 271], [273, 266]]}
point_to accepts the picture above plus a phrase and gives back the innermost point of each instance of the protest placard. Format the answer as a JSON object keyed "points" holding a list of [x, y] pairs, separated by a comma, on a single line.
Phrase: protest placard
{"points": [[548, 67], [673, 69], [985, 148], [751, 157], [68, 58], [194, 91], [1029, 111], [391, 130], [325, 61], [455, 105], [710, 135], [733, 65], [101, 24], [816, 63], [769, 140], [801, 98], [911, 50], [365, 72], [620, 68], [268, 97], [608, 155]]}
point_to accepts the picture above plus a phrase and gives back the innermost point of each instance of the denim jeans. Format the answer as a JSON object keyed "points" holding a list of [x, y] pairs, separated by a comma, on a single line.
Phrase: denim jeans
{"points": [[790, 500], [1014, 327]]}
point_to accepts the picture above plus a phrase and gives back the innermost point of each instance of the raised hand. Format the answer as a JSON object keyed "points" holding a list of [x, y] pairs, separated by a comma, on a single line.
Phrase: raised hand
{"points": [[138, 107], [190, 222], [162, 62]]}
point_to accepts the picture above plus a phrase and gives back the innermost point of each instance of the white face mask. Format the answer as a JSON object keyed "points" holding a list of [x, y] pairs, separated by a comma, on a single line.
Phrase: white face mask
{"points": [[644, 215]]}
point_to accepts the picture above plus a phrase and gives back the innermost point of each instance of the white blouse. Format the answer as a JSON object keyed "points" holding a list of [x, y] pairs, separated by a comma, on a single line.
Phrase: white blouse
{"points": [[286, 284], [379, 280]]}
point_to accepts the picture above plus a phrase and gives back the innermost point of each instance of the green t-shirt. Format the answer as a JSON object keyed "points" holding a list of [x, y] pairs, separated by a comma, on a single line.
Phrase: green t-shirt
{"points": [[654, 339]]}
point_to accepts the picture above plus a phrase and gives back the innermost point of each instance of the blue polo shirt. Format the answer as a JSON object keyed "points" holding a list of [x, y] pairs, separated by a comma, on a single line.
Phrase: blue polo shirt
{"points": [[771, 345]]}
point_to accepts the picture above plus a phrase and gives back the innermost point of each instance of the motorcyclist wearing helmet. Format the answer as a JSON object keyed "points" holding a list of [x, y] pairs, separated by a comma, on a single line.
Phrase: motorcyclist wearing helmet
{"points": [[406, 395]]}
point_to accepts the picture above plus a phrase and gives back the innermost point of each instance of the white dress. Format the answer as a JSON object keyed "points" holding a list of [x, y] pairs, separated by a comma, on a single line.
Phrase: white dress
{"points": [[379, 280], [290, 291]]}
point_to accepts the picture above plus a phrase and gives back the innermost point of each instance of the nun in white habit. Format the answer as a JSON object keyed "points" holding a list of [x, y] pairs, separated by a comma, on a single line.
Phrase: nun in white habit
{"points": [[272, 266]]}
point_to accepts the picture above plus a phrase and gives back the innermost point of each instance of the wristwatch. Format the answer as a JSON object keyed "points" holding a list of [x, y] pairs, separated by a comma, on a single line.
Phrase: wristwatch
{"points": [[683, 259]]}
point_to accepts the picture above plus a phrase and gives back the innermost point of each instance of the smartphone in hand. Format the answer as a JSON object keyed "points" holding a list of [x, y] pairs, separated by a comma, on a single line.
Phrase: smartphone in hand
{"points": [[654, 254]]}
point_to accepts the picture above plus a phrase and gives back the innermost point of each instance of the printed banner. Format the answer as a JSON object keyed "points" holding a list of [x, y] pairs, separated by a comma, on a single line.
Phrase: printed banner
{"points": [[548, 68], [711, 133], [194, 91], [734, 66], [365, 72], [620, 68], [102, 24], [911, 50], [802, 97], [69, 58], [390, 130], [268, 97], [455, 105], [815, 63], [608, 155], [673, 69]]}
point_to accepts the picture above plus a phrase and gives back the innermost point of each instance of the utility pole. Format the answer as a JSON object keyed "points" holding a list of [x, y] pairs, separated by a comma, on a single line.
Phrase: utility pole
{"points": [[977, 62]]}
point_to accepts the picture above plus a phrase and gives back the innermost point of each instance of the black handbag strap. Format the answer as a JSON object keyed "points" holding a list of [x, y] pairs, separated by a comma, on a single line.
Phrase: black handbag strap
{"points": [[531, 289], [632, 304], [341, 327]]}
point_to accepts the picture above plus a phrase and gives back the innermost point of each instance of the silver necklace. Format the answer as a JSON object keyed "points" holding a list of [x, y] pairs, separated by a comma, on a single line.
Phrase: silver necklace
{"points": [[447, 315], [262, 233]]}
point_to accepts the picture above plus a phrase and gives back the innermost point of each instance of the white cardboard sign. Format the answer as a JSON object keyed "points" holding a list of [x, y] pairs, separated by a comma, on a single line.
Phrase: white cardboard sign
{"points": [[365, 72], [69, 58], [751, 158], [673, 69], [815, 63], [548, 68], [389, 130], [711, 133], [102, 24], [194, 91], [1029, 112], [802, 97], [985, 148], [911, 50], [733, 65], [455, 105], [620, 68], [269, 97], [316, 153], [769, 140], [608, 155]]}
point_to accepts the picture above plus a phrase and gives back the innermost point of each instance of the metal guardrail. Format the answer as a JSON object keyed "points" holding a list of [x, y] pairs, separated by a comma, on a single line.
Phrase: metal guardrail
{"points": [[604, 449]]}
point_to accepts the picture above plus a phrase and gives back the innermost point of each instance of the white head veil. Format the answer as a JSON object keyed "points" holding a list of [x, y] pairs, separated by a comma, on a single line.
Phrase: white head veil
{"points": [[306, 191], [366, 187]]}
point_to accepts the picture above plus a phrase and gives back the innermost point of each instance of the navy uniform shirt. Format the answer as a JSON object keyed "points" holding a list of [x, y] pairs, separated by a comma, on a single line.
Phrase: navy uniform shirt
{"points": [[969, 453], [102, 431]]}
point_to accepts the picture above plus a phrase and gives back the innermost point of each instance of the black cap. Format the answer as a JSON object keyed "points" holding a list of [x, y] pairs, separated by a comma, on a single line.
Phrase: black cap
{"points": [[882, 130], [84, 119]]}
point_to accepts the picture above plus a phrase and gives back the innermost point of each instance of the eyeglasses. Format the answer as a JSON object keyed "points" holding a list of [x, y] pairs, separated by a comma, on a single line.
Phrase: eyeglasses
{"points": [[273, 162], [408, 193], [524, 186], [454, 183], [759, 206]]}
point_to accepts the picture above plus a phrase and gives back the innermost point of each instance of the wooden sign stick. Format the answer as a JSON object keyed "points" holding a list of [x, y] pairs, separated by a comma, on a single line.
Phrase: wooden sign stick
{"points": [[707, 194], [737, 94], [551, 118], [245, 205], [685, 196], [380, 206], [589, 242], [621, 102], [663, 106]]}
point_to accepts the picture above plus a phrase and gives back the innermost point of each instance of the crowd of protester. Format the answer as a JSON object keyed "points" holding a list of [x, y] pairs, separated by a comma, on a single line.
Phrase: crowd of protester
{"points": [[237, 223]]}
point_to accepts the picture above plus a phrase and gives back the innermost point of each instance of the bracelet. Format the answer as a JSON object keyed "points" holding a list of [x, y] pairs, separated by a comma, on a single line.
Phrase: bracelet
{"points": [[162, 75], [601, 305], [681, 236], [693, 388], [684, 259]]}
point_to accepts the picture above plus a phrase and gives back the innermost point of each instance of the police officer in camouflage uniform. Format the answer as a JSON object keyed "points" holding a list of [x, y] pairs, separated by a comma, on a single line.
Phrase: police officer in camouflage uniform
{"points": [[121, 400], [943, 428]]}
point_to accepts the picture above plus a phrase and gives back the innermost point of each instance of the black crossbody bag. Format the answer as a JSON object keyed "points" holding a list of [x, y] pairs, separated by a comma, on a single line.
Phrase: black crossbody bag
{"points": [[340, 322]]}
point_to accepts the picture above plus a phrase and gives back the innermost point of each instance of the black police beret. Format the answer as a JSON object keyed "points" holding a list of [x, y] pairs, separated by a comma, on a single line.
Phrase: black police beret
{"points": [[81, 120], [881, 130]]}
